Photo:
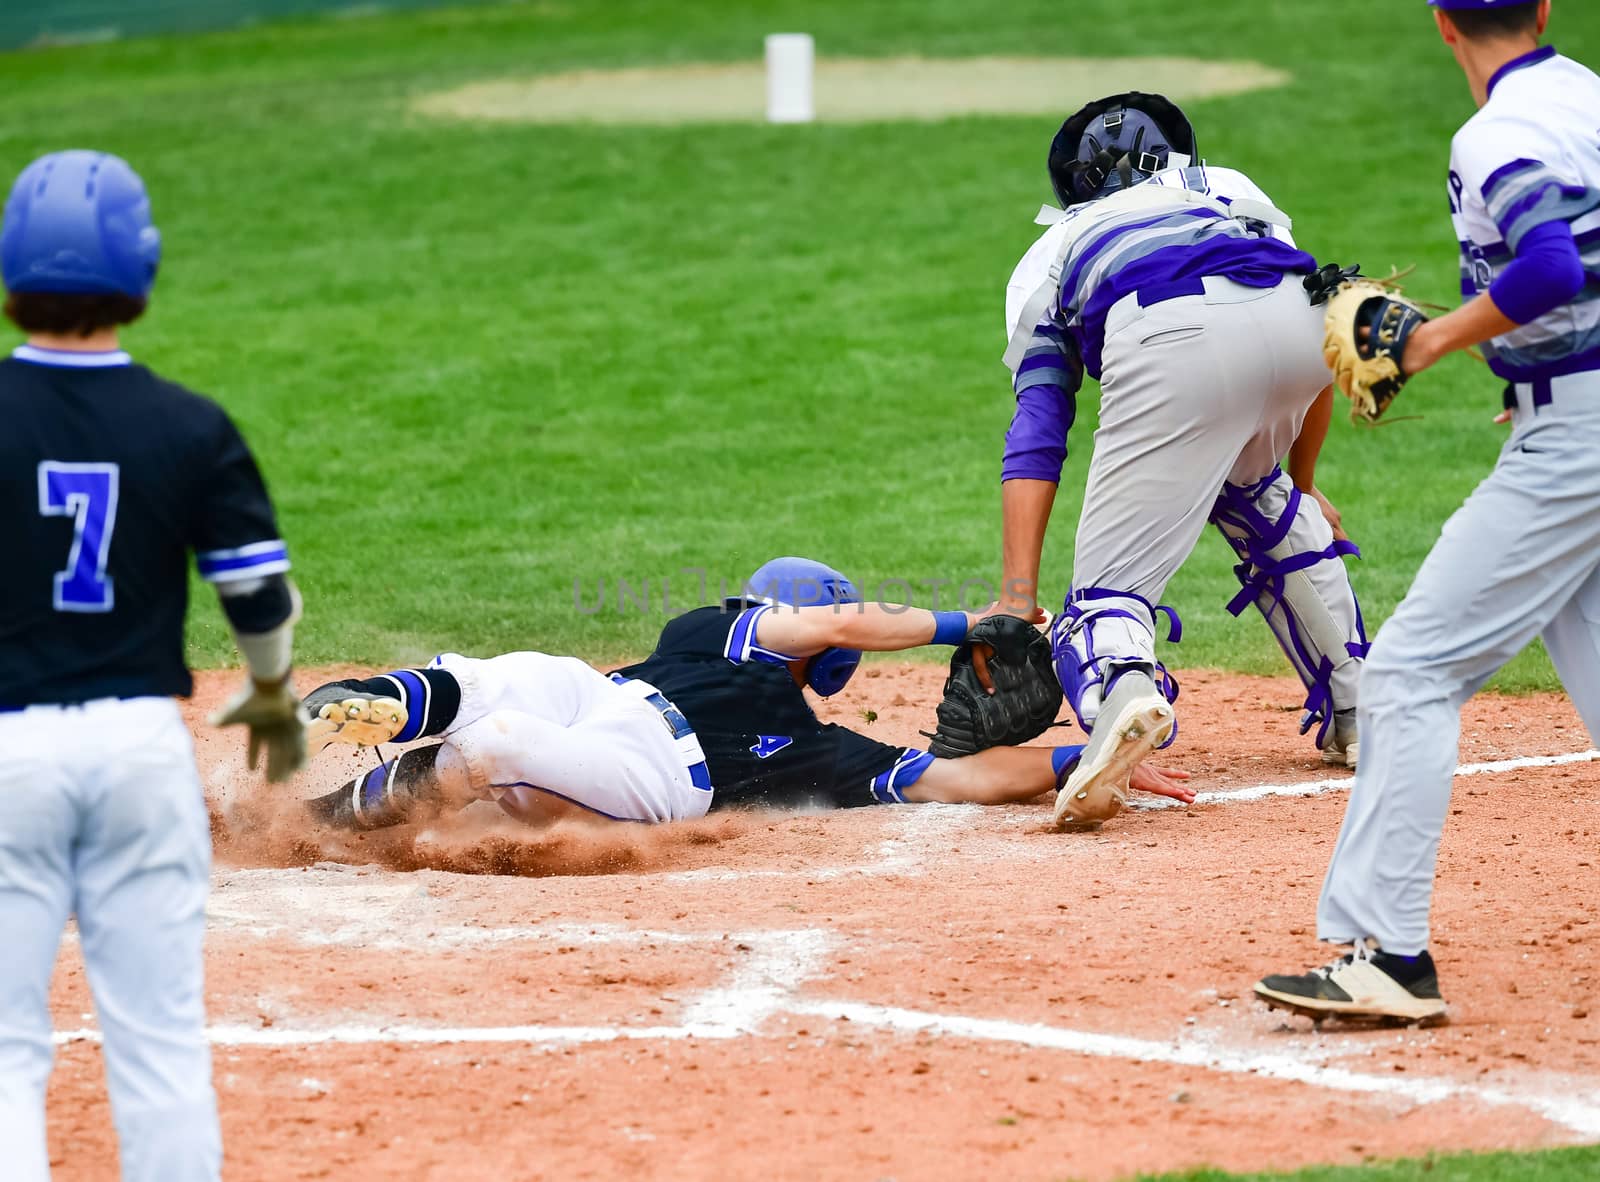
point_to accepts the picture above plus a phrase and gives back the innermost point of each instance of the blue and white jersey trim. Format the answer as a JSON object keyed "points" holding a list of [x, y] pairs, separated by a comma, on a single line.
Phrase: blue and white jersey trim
{"points": [[742, 647], [70, 359], [254, 561], [888, 787]]}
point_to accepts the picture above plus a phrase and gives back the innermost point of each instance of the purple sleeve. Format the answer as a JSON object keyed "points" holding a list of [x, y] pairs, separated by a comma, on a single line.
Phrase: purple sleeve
{"points": [[1546, 273], [1036, 444]]}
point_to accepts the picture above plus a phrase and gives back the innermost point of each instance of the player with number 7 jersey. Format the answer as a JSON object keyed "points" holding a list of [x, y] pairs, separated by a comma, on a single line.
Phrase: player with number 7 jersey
{"points": [[109, 477]]}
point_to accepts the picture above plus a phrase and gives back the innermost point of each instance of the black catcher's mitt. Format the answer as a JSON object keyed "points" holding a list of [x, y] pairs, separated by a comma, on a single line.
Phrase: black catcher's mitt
{"points": [[1026, 698]]}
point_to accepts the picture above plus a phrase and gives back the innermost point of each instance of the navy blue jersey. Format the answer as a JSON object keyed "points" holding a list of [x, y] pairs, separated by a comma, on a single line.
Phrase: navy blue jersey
{"points": [[109, 477], [763, 744]]}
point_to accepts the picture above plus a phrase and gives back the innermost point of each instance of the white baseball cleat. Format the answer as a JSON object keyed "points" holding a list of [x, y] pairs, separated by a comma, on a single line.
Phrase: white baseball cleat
{"points": [[1342, 747], [339, 715], [1134, 720]]}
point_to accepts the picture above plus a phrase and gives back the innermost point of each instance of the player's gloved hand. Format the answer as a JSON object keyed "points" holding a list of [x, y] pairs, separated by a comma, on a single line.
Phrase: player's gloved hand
{"points": [[1001, 691], [1368, 326], [271, 711]]}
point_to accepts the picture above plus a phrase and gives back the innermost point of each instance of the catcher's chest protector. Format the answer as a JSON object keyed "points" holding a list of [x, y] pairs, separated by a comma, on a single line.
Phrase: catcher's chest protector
{"points": [[1152, 197]]}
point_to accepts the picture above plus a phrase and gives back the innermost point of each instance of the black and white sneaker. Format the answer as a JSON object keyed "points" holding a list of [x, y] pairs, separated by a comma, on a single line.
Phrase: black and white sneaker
{"points": [[1367, 984]]}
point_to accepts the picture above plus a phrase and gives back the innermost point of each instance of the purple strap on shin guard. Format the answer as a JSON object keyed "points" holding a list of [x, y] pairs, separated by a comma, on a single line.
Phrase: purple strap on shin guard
{"points": [[1262, 580], [1081, 669]]}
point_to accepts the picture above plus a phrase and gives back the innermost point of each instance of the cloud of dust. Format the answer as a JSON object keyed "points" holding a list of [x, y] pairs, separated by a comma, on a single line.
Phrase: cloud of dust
{"points": [[267, 827]]}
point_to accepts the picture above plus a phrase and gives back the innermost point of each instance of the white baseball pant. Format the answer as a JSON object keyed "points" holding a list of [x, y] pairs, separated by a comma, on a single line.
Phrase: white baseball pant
{"points": [[1521, 558], [101, 815], [534, 730], [1196, 391]]}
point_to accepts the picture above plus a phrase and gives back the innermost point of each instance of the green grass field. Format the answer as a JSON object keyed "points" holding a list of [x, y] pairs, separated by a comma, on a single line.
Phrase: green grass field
{"points": [[1567, 1165], [482, 363]]}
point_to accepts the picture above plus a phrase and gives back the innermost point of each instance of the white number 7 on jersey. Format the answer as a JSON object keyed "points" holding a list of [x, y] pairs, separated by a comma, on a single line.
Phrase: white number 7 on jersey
{"points": [[88, 494]]}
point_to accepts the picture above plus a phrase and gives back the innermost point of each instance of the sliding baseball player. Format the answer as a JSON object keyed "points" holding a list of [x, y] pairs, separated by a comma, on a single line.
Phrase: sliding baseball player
{"points": [[716, 717]]}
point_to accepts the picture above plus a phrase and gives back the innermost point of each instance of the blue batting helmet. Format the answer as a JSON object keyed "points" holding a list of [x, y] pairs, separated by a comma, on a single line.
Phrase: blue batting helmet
{"points": [[1116, 143], [79, 223], [804, 582]]}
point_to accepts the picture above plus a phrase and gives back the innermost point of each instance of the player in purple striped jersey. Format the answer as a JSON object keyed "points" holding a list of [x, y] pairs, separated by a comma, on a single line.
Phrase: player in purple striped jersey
{"points": [[1521, 558], [1179, 287]]}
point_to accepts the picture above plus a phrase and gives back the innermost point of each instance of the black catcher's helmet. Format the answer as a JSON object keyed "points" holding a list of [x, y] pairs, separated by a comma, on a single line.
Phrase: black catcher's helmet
{"points": [[1115, 143]]}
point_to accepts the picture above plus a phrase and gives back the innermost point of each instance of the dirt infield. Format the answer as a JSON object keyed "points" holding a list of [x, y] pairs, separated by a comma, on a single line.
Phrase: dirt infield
{"points": [[915, 992]]}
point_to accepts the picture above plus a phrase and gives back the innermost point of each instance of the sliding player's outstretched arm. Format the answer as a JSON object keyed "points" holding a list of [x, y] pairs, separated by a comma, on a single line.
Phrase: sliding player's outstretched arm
{"points": [[799, 632], [1014, 775]]}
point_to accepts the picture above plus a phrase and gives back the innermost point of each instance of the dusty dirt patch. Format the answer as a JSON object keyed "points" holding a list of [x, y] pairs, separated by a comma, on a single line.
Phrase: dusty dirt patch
{"points": [[847, 89], [920, 992]]}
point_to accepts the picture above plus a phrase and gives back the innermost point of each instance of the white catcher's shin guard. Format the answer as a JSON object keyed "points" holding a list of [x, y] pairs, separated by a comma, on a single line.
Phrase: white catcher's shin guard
{"points": [[1291, 571], [1104, 644], [1099, 635]]}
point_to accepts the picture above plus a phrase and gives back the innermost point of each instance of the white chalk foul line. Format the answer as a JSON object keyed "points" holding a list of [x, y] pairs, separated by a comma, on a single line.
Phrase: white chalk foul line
{"points": [[760, 987], [735, 1016], [1333, 784], [762, 983], [1579, 1115]]}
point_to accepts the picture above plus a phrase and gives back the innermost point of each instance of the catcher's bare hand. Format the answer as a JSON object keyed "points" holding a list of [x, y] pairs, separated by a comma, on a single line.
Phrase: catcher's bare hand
{"points": [[1162, 781], [1023, 609], [1331, 515]]}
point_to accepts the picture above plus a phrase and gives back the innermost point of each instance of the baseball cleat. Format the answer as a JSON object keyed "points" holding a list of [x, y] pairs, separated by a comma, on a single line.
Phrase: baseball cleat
{"points": [[389, 794], [1367, 984], [1134, 720], [1342, 746], [339, 714]]}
